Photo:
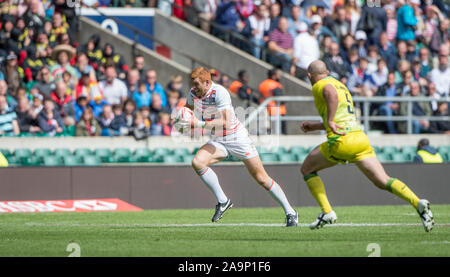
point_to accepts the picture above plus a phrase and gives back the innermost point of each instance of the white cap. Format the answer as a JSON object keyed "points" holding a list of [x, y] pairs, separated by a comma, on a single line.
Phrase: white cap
{"points": [[302, 27], [360, 35], [316, 19], [415, 2]]}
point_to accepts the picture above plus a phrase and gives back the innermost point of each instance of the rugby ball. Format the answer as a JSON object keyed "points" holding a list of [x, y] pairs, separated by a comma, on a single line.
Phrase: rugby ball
{"points": [[183, 115]]}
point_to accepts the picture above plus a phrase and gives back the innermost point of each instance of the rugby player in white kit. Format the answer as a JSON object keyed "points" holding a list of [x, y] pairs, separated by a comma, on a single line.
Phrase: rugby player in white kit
{"points": [[211, 103]]}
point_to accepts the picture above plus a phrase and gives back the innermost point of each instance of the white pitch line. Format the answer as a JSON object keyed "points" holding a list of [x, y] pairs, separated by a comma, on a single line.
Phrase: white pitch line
{"points": [[226, 225]]}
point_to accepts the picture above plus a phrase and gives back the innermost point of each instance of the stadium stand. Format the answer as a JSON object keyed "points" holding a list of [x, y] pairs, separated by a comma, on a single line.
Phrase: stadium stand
{"points": [[48, 79]]}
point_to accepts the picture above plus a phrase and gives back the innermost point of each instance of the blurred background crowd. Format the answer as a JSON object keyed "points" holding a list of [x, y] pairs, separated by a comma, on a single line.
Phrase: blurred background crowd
{"points": [[52, 85]]}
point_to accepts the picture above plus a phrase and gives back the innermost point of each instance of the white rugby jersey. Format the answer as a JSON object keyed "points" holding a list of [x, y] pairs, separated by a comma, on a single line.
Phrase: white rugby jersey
{"points": [[209, 107]]}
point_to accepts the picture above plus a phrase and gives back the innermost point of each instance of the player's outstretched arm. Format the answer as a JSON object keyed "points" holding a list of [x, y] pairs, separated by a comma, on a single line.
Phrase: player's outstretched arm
{"points": [[331, 97]]}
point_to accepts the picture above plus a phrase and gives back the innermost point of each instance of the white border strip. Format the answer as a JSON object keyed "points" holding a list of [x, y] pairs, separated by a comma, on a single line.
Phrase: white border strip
{"points": [[118, 11]]}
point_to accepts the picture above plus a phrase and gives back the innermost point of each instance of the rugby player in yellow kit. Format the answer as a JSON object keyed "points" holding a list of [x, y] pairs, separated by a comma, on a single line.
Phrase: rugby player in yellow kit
{"points": [[346, 143]]}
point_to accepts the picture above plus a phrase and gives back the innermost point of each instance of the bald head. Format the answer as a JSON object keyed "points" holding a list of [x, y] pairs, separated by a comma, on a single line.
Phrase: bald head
{"points": [[317, 70]]}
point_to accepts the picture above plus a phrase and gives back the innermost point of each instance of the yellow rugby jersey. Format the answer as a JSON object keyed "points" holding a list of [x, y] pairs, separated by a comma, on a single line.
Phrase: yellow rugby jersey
{"points": [[345, 113]]}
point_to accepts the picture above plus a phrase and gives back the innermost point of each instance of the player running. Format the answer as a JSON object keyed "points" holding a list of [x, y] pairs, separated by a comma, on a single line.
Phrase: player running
{"points": [[346, 143], [212, 103]]}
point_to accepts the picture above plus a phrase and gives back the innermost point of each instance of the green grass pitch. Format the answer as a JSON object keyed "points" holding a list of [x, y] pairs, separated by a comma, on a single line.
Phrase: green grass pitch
{"points": [[255, 232]]}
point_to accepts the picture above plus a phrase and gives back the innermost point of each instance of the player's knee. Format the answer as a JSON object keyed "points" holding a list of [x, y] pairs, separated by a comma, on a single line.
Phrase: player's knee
{"points": [[198, 164], [305, 170]]}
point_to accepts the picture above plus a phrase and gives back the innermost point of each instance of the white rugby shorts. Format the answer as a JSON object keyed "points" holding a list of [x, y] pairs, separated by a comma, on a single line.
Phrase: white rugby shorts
{"points": [[237, 144]]}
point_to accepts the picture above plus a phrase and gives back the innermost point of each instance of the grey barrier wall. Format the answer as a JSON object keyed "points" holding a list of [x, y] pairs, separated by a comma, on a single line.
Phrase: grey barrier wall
{"points": [[178, 187]]}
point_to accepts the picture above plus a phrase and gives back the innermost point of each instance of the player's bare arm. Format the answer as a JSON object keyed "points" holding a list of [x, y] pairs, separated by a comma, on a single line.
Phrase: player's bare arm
{"points": [[309, 126], [331, 97]]}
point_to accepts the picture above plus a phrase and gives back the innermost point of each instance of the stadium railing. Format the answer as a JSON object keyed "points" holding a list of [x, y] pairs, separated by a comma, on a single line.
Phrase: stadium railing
{"points": [[259, 113]]}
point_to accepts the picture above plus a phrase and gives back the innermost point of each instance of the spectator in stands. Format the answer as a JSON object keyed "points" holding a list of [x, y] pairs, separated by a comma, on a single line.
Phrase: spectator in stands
{"points": [[341, 25], [387, 50], [419, 109], [440, 36], [405, 84], [257, 29], [335, 63], [63, 54], [69, 13], [97, 102], [114, 90], [372, 57], [45, 83], [281, 45], [441, 75], [319, 30], [163, 127], [64, 103], [173, 102], [391, 24], [347, 44], [373, 21], [26, 119], [274, 14], [59, 26], [129, 109], [432, 92], [306, 49], [294, 20], [361, 43], [425, 62], [85, 87], [93, 51], [109, 56], [389, 108], [49, 119], [154, 87], [225, 81], [142, 97], [133, 81], [360, 81], [240, 87], [215, 75], [406, 21], [105, 120], [83, 66], [156, 108], [379, 77], [227, 17], [34, 15], [272, 87], [13, 72], [441, 126], [139, 63], [119, 123], [205, 10], [426, 153], [8, 118], [80, 105], [88, 125], [36, 106], [176, 84], [139, 130], [145, 111]]}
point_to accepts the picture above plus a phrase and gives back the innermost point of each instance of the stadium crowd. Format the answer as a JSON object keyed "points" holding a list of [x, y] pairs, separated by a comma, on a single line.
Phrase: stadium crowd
{"points": [[376, 47], [51, 84]]}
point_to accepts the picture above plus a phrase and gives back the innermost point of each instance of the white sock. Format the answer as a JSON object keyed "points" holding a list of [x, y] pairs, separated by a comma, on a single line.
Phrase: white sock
{"points": [[210, 179], [277, 193]]}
